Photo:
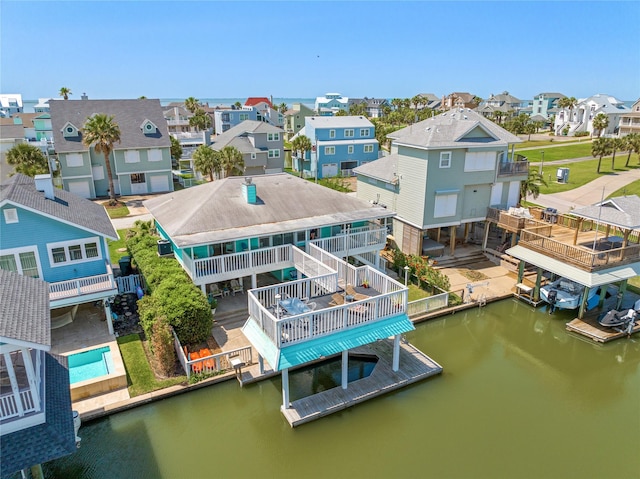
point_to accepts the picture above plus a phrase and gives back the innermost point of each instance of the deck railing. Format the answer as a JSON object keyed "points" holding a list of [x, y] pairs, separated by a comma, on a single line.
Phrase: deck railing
{"points": [[9, 407], [513, 168], [427, 305], [357, 240], [82, 286]]}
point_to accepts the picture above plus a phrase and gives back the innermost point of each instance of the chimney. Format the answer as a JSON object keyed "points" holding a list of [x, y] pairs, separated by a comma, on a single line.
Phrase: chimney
{"points": [[84, 96], [43, 183], [249, 191]]}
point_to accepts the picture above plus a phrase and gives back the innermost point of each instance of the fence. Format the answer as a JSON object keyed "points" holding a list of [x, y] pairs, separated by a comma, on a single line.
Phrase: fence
{"points": [[427, 305], [129, 284]]}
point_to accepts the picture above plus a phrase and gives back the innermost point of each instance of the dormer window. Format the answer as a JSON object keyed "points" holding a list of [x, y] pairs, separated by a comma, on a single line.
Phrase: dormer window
{"points": [[148, 127], [69, 130]]}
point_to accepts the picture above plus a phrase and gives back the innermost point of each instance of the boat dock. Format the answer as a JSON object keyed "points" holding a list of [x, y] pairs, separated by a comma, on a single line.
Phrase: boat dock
{"points": [[590, 328], [414, 366]]}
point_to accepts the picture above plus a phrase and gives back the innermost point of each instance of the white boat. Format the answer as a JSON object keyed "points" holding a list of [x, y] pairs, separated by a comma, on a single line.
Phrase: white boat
{"points": [[566, 294]]}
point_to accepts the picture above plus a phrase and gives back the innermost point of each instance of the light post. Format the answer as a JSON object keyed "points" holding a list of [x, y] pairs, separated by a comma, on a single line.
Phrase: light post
{"points": [[541, 163], [406, 275]]}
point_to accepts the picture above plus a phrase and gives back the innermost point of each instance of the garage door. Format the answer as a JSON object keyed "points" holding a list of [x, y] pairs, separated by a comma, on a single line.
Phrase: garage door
{"points": [[159, 183], [80, 188], [329, 169]]}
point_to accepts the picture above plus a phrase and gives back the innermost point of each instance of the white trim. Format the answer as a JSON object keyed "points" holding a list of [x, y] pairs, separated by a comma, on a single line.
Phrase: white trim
{"points": [[350, 149], [350, 130], [443, 159], [274, 136], [101, 175], [126, 173], [11, 216], [157, 154], [132, 159], [365, 147], [76, 177], [24, 249], [494, 146], [56, 218], [276, 153], [367, 130], [77, 242], [332, 134], [333, 150], [74, 156]]}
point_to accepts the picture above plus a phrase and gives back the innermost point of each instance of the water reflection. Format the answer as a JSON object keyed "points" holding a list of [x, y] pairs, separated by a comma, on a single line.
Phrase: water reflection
{"points": [[520, 397]]}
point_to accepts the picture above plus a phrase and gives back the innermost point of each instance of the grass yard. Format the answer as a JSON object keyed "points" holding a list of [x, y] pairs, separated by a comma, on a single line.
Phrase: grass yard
{"points": [[140, 376], [114, 246], [535, 143], [576, 150], [416, 293], [118, 211], [630, 189], [580, 173]]}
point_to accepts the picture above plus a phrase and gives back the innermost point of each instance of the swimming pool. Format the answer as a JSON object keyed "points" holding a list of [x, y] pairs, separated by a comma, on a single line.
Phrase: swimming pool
{"points": [[90, 364]]}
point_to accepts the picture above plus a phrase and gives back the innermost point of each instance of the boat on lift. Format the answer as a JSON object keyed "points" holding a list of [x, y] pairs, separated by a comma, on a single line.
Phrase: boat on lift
{"points": [[566, 294]]}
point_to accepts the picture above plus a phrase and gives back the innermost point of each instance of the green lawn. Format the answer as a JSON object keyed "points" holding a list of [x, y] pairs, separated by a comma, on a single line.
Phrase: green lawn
{"points": [[580, 173], [535, 143], [119, 212], [139, 374], [579, 150], [114, 246], [416, 293], [630, 189]]}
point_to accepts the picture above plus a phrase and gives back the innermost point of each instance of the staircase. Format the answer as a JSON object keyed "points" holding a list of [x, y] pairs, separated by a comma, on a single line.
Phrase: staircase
{"points": [[462, 259]]}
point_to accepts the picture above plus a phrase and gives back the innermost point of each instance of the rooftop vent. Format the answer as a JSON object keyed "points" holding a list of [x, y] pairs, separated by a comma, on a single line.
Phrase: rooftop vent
{"points": [[249, 191]]}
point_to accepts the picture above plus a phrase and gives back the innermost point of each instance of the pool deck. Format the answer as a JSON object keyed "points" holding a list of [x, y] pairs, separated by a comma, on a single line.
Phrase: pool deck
{"points": [[414, 366]]}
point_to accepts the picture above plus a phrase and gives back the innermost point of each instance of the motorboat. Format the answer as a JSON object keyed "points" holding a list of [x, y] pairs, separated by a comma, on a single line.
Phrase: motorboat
{"points": [[566, 294]]}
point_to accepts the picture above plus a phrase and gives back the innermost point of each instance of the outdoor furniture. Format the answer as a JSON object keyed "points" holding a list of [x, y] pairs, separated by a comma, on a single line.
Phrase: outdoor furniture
{"points": [[236, 287], [356, 296], [214, 290], [614, 241], [64, 319], [336, 299], [294, 306]]}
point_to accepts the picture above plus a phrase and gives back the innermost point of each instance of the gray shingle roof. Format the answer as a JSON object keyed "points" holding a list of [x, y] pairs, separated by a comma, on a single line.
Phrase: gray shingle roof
{"points": [[622, 211], [11, 132], [24, 310], [128, 114], [48, 441], [380, 169], [217, 211], [21, 190], [247, 126], [448, 130]]}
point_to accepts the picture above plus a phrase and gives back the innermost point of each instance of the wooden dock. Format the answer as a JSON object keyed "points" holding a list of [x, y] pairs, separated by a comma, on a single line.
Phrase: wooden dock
{"points": [[414, 366], [590, 328]]}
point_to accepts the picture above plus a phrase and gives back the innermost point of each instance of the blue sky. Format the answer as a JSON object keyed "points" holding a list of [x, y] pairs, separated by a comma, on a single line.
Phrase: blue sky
{"points": [[216, 49]]}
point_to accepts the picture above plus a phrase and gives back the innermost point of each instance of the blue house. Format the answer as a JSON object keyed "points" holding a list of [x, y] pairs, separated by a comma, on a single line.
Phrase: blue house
{"points": [[340, 144], [330, 104], [58, 237], [224, 120]]}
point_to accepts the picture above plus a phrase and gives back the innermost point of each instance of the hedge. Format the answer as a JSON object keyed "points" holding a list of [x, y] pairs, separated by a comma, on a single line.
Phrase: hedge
{"points": [[172, 295]]}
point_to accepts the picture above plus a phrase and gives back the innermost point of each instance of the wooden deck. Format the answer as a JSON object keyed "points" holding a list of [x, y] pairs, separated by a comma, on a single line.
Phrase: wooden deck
{"points": [[590, 328], [414, 366]]}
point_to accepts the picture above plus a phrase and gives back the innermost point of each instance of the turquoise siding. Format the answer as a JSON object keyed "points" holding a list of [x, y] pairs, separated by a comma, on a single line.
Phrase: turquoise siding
{"points": [[176, 251], [33, 229]]}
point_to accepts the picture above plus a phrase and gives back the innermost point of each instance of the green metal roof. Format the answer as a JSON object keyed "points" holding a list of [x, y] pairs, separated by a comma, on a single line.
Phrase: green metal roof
{"points": [[307, 351]]}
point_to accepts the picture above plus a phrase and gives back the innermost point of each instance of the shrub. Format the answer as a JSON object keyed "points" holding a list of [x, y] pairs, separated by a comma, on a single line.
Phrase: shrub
{"points": [[420, 268], [581, 133], [162, 346]]}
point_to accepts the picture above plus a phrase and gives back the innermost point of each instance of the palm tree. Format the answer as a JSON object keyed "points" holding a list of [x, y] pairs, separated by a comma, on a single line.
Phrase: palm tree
{"points": [[200, 120], [282, 107], [397, 103], [600, 147], [600, 123], [302, 144], [192, 104], [416, 100], [616, 144], [176, 149], [65, 92], [27, 159], [238, 105], [634, 143], [102, 132], [567, 103], [531, 186], [232, 161], [207, 161]]}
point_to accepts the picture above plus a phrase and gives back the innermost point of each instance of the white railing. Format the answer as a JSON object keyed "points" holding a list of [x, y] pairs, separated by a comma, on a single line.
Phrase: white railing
{"points": [[427, 305], [347, 273], [129, 284], [82, 286], [9, 407], [184, 122], [357, 240]]}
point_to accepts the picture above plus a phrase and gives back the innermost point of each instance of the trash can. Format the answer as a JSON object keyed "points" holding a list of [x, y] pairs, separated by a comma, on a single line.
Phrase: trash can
{"points": [[164, 247], [562, 175], [125, 265]]}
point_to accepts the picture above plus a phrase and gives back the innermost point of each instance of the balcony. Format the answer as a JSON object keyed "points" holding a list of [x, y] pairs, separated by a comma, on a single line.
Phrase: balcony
{"points": [[509, 221], [63, 293], [21, 401], [372, 237], [514, 168], [181, 122]]}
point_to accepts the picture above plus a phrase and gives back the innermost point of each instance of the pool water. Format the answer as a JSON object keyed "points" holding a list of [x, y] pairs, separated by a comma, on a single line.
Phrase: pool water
{"points": [[328, 375], [90, 364]]}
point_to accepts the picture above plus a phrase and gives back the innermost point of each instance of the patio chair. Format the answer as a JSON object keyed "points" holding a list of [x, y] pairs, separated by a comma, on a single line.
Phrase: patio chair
{"points": [[356, 296], [336, 299], [236, 287], [311, 305], [214, 290]]}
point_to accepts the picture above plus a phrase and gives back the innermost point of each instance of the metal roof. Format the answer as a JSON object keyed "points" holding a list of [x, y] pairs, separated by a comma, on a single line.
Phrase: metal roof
{"points": [[596, 278], [217, 211], [24, 310], [67, 207], [622, 211], [307, 351]]}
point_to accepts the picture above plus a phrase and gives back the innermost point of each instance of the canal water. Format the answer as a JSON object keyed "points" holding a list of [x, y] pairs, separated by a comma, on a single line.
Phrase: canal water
{"points": [[519, 398]]}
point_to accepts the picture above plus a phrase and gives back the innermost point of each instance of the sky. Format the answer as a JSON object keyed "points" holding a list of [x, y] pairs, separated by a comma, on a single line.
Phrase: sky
{"points": [[304, 49]]}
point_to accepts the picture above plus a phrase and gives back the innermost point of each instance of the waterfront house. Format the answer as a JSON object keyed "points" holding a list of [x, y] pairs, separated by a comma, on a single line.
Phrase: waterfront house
{"points": [[630, 122], [545, 104], [580, 118], [503, 104], [140, 162], [374, 107], [227, 118], [340, 144], [58, 237], [36, 421], [266, 110], [458, 100], [330, 104], [261, 145], [10, 104], [294, 119], [443, 172]]}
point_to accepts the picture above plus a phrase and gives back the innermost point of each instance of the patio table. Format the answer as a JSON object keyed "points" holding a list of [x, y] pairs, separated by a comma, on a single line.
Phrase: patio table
{"points": [[294, 306]]}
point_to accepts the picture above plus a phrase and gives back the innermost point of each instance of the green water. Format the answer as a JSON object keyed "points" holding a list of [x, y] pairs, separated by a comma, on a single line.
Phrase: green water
{"points": [[519, 398]]}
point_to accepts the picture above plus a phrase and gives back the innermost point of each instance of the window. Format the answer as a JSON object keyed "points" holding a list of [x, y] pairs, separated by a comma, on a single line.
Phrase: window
{"points": [[273, 136], [349, 133], [98, 172], [274, 153], [10, 215], [368, 148], [137, 178], [332, 133], [445, 159], [364, 132], [329, 150], [22, 261], [480, 161], [225, 117], [74, 159], [445, 205], [131, 156], [155, 154], [350, 149], [75, 251], [243, 116], [253, 156]]}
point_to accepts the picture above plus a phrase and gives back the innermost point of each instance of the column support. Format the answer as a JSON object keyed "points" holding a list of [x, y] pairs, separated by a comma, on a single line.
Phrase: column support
{"points": [[396, 353], [536, 291], [260, 364], [345, 368], [285, 389], [109, 318]]}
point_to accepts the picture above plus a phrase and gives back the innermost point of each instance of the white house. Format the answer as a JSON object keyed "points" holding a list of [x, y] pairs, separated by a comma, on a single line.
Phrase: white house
{"points": [[580, 118]]}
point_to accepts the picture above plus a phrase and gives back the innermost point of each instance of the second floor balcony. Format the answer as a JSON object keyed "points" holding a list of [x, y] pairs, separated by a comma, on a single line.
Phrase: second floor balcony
{"points": [[520, 167], [63, 293]]}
